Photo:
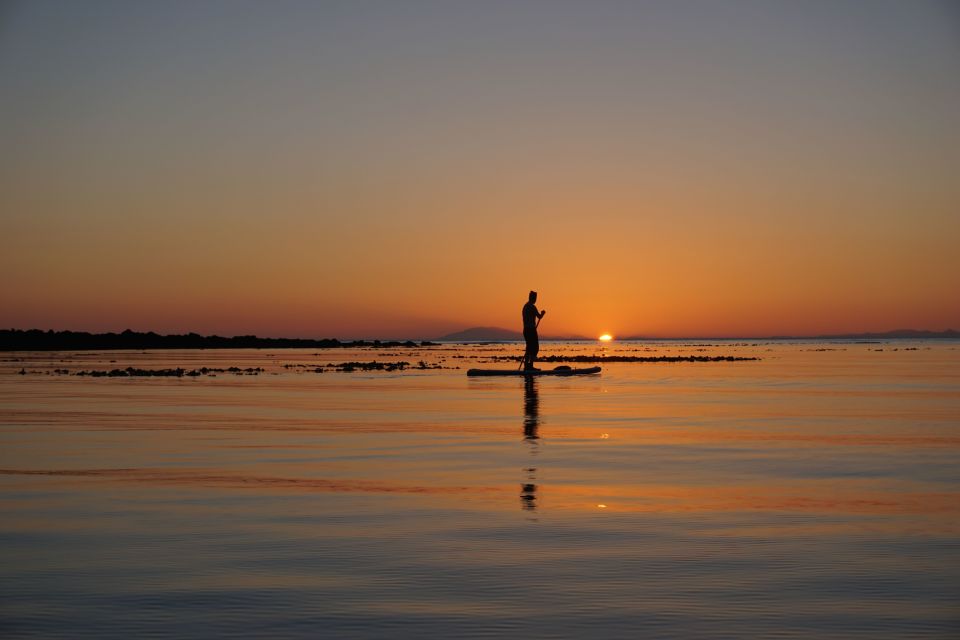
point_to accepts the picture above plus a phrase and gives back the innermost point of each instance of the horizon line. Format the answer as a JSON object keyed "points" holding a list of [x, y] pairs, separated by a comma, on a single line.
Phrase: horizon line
{"points": [[890, 334]]}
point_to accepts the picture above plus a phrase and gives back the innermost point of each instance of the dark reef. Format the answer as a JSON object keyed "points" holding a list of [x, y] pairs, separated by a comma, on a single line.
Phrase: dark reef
{"points": [[179, 372]]}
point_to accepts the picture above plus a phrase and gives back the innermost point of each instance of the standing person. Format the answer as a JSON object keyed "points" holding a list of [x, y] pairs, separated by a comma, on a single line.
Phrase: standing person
{"points": [[530, 318]]}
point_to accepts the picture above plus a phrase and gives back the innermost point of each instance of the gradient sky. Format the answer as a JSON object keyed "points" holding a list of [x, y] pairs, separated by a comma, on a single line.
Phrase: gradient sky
{"points": [[404, 169]]}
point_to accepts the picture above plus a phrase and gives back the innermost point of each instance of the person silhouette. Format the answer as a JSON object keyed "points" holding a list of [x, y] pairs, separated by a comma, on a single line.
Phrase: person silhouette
{"points": [[531, 318]]}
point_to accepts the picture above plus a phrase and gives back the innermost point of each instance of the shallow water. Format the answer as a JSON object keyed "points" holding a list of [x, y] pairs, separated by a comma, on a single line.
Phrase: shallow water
{"points": [[812, 493]]}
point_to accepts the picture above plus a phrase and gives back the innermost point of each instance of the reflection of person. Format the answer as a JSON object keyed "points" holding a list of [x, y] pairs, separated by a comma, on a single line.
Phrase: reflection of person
{"points": [[531, 318], [531, 409], [531, 423]]}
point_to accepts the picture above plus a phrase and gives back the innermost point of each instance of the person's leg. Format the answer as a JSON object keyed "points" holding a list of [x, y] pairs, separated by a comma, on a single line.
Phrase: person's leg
{"points": [[533, 349]]}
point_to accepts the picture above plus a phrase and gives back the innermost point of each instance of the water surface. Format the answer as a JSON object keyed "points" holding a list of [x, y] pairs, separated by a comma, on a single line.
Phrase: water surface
{"points": [[812, 493]]}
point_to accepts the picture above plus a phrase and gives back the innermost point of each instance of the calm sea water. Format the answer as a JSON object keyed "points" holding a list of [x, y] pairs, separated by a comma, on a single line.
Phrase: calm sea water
{"points": [[812, 493]]}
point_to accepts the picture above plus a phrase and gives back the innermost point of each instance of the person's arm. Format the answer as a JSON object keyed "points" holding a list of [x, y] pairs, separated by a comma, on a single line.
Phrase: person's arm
{"points": [[542, 313]]}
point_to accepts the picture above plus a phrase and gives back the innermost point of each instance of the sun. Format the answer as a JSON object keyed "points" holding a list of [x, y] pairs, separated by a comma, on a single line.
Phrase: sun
{"points": [[605, 338]]}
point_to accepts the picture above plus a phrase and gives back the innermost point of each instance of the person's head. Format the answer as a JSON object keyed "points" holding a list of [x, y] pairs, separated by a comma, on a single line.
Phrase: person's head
{"points": [[533, 296]]}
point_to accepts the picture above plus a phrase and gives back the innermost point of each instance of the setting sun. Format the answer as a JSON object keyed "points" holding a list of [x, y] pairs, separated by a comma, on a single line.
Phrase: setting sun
{"points": [[605, 338]]}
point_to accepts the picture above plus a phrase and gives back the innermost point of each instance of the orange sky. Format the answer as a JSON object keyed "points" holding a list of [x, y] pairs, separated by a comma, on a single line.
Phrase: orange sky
{"points": [[662, 170]]}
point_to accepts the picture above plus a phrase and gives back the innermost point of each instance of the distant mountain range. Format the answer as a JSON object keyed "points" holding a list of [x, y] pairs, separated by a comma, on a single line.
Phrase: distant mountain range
{"points": [[482, 334], [496, 334]]}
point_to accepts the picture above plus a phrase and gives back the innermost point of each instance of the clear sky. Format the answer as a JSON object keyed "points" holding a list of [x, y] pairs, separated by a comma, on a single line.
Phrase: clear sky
{"points": [[410, 168]]}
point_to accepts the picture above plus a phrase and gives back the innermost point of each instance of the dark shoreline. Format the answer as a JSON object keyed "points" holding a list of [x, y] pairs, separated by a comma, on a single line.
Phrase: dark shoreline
{"points": [[37, 340]]}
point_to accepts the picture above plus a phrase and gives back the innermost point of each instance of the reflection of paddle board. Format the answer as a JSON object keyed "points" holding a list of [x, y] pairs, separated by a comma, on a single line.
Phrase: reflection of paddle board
{"points": [[562, 370]]}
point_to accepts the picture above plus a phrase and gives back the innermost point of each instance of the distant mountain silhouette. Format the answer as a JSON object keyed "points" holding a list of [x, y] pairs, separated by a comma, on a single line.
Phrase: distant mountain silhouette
{"points": [[496, 334], [483, 334]]}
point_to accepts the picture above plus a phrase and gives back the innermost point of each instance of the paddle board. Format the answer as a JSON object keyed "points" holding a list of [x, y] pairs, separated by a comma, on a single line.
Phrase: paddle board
{"points": [[562, 370]]}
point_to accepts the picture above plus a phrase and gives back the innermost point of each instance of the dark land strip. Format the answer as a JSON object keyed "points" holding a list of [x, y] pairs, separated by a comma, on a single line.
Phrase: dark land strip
{"points": [[37, 340]]}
